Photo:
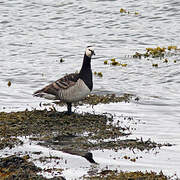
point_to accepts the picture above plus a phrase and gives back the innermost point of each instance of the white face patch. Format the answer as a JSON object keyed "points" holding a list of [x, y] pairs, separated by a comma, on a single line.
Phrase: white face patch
{"points": [[89, 51]]}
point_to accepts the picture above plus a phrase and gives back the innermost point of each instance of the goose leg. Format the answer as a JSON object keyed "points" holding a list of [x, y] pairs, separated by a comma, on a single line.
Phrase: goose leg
{"points": [[69, 106]]}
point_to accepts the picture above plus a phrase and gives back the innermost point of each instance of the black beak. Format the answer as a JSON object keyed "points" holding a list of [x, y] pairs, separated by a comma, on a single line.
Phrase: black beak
{"points": [[93, 53]]}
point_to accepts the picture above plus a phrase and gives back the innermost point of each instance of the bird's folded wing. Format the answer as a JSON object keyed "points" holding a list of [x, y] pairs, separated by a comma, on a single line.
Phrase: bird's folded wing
{"points": [[62, 83]]}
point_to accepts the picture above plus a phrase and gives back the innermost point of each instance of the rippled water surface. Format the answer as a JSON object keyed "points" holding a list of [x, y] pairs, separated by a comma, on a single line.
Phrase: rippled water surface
{"points": [[34, 35]]}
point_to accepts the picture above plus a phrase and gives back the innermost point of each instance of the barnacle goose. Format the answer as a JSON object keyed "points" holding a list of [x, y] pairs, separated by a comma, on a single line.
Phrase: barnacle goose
{"points": [[72, 87]]}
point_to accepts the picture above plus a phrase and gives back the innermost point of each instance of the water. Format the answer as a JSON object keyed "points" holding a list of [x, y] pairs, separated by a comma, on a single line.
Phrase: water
{"points": [[34, 35]]}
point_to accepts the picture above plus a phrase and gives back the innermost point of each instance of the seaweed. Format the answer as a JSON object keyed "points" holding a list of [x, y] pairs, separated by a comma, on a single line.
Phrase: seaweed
{"points": [[15, 167], [115, 63], [137, 175], [78, 132], [157, 52]]}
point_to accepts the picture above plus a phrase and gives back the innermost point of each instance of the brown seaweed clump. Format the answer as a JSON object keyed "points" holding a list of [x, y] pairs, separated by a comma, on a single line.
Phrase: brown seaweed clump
{"points": [[43, 122], [73, 134], [19, 168], [138, 175], [113, 62], [15, 168], [99, 74], [78, 132], [94, 99], [124, 11], [151, 52], [9, 142], [157, 52]]}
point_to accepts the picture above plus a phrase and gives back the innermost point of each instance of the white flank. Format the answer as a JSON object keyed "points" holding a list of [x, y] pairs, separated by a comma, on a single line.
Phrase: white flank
{"points": [[74, 93]]}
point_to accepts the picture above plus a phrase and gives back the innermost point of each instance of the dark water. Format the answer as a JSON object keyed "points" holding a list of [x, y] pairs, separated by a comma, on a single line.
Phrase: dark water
{"points": [[34, 35]]}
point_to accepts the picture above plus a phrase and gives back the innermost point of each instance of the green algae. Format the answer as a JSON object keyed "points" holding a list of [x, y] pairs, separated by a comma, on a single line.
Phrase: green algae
{"points": [[138, 175]]}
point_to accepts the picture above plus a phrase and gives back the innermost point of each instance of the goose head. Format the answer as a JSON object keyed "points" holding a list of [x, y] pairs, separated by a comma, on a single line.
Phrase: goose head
{"points": [[89, 51]]}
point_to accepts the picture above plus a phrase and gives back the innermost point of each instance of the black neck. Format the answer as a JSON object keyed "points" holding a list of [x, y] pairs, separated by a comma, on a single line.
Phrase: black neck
{"points": [[86, 72]]}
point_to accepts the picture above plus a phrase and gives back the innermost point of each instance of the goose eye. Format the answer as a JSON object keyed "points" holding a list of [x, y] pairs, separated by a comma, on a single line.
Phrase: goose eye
{"points": [[91, 51]]}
